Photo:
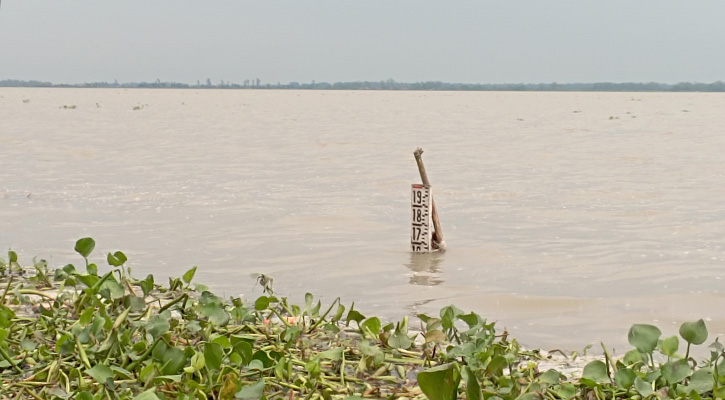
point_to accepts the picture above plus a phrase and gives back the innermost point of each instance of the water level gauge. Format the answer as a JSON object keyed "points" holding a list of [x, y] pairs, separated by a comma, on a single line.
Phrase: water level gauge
{"points": [[420, 230]]}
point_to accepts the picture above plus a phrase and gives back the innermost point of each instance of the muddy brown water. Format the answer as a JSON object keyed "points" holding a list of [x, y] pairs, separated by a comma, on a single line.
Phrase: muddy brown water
{"points": [[568, 216]]}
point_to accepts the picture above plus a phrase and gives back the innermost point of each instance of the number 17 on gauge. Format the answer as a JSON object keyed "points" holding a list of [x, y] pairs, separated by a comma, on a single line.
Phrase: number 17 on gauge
{"points": [[420, 233]]}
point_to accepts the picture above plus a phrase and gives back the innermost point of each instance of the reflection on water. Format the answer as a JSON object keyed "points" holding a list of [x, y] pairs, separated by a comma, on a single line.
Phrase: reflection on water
{"points": [[426, 268], [568, 216]]}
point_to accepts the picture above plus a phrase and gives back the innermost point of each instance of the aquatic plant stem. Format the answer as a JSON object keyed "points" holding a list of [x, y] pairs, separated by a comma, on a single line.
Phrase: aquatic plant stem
{"points": [[82, 353], [342, 366], [9, 359], [322, 318], [281, 318], [171, 303], [7, 288], [687, 353], [93, 290], [36, 293], [609, 359], [32, 394]]}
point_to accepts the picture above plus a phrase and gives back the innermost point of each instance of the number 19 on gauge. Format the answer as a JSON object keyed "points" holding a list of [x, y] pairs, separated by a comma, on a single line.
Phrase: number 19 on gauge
{"points": [[420, 233]]}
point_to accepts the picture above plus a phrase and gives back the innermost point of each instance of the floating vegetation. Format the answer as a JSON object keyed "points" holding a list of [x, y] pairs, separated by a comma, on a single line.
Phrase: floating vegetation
{"points": [[71, 333], [69, 107]]}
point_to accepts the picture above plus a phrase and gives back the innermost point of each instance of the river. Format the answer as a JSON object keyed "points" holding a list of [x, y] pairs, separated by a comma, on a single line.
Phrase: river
{"points": [[568, 216]]}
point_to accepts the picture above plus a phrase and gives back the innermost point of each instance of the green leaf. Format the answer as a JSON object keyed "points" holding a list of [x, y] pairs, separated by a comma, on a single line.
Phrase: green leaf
{"points": [[85, 246], [353, 315], [135, 303], [92, 269], [399, 340], [6, 316], [644, 337], [100, 373], [670, 345], [147, 395], [371, 326], [633, 357], [701, 381], [652, 376], [643, 388], [83, 396], [254, 391], [472, 319], [465, 349], [716, 348], [333, 354], [164, 379], [147, 285], [69, 269], [550, 377], [261, 303], [12, 256], [374, 352], [338, 313], [222, 341], [596, 371], [565, 391], [290, 334], [694, 332], [121, 372], [115, 290], [116, 259], [676, 371], [213, 308], [496, 366], [214, 355], [189, 275], [430, 322], [28, 345], [315, 312], [198, 361], [216, 314], [173, 360], [473, 388], [157, 326], [88, 280], [245, 350], [263, 357], [449, 315], [441, 382], [624, 377], [65, 345], [313, 367], [86, 316]]}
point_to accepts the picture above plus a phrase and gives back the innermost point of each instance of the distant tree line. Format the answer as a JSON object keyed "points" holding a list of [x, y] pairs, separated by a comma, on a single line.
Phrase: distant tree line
{"points": [[390, 84]]}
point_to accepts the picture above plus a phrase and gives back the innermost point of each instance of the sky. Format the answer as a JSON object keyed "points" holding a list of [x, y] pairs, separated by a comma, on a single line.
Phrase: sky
{"points": [[477, 41]]}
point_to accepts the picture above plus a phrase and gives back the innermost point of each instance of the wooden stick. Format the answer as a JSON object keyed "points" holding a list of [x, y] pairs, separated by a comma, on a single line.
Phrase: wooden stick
{"points": [[438, 234]]}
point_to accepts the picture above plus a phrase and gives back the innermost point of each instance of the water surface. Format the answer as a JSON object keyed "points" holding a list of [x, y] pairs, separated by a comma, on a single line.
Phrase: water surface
{"points": [[568, 216]]}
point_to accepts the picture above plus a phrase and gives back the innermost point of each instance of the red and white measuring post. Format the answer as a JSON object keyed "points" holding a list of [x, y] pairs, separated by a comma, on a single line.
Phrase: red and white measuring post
{"points": [[420, 233]]}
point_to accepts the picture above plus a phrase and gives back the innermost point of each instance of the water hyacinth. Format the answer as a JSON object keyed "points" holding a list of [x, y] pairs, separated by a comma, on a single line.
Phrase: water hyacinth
{"points": [[76, 333]]}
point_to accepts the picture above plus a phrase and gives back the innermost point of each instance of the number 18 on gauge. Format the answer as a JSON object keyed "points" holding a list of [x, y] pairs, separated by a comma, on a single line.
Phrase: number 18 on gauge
{"points": [[420, 233]]}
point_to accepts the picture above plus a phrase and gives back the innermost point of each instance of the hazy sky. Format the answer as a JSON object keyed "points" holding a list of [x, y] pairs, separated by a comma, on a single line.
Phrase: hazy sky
{"points": [[507, 41]]}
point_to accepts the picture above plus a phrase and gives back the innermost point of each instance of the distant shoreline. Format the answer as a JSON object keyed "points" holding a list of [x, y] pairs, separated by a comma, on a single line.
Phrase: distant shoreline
{"points": [[390, 84]]}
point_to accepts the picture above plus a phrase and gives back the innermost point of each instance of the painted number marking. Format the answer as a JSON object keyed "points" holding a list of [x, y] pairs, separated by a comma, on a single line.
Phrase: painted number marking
{"points": [[420, 234]]}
